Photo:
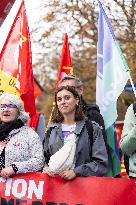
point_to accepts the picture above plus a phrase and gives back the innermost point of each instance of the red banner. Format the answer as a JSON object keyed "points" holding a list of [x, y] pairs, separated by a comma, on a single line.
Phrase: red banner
{"points": [[40, 189]]}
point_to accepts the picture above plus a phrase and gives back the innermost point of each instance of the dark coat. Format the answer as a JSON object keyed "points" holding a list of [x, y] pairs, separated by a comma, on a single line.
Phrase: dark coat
{"points": [[92, 112]]}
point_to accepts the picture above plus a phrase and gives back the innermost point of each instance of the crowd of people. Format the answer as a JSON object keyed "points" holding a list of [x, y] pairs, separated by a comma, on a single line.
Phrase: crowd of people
{"points": [[74, 143]]}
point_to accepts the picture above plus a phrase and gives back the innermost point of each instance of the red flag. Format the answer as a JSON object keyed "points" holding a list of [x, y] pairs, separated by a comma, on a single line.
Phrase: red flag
{"points": [[9, 47], [25, 78], [37, 88], [16, 60], [65, 67]]}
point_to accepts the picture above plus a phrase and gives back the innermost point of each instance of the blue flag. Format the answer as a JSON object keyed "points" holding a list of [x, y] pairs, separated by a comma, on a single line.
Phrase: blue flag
{"points": [[112, 75]]}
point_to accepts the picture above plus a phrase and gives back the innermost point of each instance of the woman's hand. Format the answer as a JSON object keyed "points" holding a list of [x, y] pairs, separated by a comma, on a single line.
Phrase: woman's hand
{"points": [[48, 171], [68, 174], [7, 171]]}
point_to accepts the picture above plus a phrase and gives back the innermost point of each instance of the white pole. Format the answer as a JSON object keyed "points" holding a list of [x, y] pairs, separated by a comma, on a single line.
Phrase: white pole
{"points": [[133, 87]]}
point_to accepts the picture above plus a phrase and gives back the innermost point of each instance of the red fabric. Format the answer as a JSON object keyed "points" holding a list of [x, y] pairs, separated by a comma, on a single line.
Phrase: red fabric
{"points": [[34, 120], [119, 127], [37, 90], [16, 61], [65, 67], [25, 74], [40, 189], [9, 53]]}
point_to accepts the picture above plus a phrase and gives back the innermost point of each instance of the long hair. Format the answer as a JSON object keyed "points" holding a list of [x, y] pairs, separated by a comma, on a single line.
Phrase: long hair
{"points": [[57, 115]]}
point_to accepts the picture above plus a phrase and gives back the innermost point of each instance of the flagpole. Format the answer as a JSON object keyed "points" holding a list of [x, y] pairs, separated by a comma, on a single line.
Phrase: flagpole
{"points": [[132, 84], [50, 118]]}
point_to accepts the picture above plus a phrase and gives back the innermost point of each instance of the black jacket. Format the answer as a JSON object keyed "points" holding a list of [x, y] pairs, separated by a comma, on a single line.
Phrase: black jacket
{"points": [[92, 111]]}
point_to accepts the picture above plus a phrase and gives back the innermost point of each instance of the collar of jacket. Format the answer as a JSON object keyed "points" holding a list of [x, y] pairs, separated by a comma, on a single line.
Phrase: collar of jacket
{"points": [[78, 129], [15, 131]]}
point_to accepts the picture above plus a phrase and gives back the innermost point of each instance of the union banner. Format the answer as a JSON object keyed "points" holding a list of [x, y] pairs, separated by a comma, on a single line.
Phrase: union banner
{"points": [[40, 189]]}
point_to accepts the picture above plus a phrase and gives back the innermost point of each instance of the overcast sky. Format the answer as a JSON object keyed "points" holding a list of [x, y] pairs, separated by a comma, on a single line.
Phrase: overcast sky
{"points": [[33, 8]]}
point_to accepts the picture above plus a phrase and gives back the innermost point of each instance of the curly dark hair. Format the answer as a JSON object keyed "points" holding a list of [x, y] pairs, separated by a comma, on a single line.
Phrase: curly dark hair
{"points": [[57, 115]]}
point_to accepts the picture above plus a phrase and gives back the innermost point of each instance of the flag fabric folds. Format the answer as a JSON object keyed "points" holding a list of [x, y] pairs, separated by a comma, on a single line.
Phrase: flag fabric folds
{"points": [[9, 51], [65, 67], [25, 80], [38, 89], [16, 72], [112, 75]]}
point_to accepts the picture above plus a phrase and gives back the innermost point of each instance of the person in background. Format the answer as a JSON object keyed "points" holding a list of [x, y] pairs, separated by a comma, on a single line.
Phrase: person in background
{"points": [[128, 140], [37, 122], [21, 150], [41, 127], [70, 149]]}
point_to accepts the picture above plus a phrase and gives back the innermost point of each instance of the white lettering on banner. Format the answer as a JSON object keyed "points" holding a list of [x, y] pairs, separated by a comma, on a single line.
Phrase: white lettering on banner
{"points": [[8, 187], [30, 187], [33, 189], [15, 191]]}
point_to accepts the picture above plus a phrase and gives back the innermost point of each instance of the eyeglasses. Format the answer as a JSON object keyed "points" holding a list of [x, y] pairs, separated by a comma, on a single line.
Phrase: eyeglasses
{"points": [[7, 106]]}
